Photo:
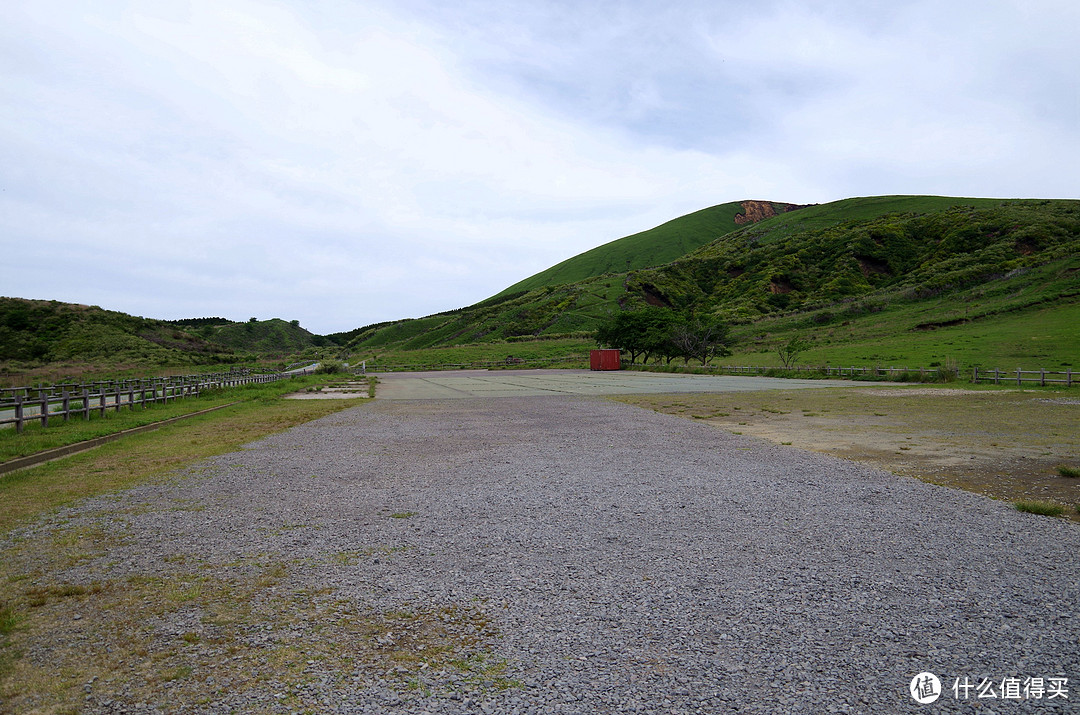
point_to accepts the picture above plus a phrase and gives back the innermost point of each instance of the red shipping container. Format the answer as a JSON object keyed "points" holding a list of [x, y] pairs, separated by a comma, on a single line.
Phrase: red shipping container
{"points": [[604, 360]]}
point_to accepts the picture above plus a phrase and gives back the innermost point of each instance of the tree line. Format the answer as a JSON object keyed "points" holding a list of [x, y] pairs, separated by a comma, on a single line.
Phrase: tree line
{"points": [[665, 334]]}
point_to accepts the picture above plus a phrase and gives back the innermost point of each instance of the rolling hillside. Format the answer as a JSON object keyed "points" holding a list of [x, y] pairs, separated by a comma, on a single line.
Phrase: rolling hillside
{"points": [[890, 279], [265, 337], [925, 263], [665, 243], [41, 331]]}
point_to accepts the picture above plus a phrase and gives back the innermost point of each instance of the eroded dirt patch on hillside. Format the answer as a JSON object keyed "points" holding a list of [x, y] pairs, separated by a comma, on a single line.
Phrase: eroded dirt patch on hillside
{"points": [[1004, 444]]}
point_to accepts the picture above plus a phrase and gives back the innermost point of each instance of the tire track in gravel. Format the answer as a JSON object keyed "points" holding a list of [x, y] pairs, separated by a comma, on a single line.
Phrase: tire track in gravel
{"points": [[629, 561]]}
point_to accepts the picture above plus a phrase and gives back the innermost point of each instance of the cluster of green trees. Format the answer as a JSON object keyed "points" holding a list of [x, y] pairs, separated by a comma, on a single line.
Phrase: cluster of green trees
{"points": [[665, 334]]}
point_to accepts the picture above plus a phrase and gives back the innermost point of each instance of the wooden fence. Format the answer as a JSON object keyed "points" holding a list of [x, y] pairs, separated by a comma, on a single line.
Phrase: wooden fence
{"points": [[19, 405], [1019, 377], [924, 373]]}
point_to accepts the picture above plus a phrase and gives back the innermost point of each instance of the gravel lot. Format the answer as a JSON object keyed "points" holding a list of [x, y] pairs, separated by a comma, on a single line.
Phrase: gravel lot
{"points": [[570, 555]]}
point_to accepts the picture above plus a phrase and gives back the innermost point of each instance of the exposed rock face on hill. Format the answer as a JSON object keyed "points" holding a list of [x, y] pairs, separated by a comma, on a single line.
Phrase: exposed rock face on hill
{"points": [[754, 211]]}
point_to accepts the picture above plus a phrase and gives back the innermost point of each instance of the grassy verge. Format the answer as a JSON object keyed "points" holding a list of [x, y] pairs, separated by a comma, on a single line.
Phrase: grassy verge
{"points": [[36, 438], [80, 630], [143, 456]]}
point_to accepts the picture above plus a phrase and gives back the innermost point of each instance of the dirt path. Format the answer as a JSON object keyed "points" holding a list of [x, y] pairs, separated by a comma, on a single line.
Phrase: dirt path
{"points": [[1003, 444]]}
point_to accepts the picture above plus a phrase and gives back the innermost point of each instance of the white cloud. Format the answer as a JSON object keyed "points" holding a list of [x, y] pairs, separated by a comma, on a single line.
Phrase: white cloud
{"points": [[344, 162]]}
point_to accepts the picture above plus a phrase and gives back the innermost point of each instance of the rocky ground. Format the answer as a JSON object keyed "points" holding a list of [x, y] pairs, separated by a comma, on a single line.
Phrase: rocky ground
{"points": [[537, 555]]}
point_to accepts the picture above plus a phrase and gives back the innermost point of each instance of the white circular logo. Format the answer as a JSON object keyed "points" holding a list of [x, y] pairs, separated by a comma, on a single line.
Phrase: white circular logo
{"points": [[925, 688]]}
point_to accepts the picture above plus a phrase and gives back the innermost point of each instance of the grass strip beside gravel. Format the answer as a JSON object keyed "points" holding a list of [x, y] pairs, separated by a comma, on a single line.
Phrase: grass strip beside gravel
{"points": [[140, 457], [36, 438]]}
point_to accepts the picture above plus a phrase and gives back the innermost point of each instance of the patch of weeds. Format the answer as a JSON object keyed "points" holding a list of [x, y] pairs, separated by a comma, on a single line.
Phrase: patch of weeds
{"points": [[1071, 472], [403, 514], [271, 574], [188, 505], [38, 596], [180, 671], [9, 621], [485, 670], [1046, 508], [183, 590]]}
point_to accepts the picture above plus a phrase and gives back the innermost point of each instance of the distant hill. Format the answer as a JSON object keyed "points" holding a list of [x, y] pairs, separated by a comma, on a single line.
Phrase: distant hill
{"points": [[51, 331], [42, 331], [266, 337], [821, 259]]}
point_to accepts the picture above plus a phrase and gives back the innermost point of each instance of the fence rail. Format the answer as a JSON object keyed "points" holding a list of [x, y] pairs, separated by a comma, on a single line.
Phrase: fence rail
{"points": [[997, 376], [1043, 377], [925, 373], [20, 405]]}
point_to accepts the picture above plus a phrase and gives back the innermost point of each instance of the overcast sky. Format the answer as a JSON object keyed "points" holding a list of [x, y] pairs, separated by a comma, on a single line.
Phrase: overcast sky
{"points": [[344, 162]]}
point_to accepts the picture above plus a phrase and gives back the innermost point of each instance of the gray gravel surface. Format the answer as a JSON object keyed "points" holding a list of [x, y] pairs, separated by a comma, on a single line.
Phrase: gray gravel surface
{"points": [[628, 561]]}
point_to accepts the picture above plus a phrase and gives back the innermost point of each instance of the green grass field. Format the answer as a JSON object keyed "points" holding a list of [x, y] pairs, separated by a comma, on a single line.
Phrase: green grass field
{"points": [[36, 438]]}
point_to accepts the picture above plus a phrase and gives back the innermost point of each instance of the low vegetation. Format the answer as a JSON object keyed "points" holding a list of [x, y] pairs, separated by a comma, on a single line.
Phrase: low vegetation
{"points": [[36, 438], [136, 458], [1045, 508]]}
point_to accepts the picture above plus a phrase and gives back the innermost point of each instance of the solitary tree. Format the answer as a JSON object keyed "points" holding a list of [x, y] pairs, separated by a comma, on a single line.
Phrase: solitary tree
{"points": [[790, 353], [701, 338]]}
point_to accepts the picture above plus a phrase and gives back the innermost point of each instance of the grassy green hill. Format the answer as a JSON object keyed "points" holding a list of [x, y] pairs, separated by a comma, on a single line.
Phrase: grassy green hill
{"points": [[865, 279], [34, 333], [40, 331], [888, 280], [265, 337], [657, 246]]}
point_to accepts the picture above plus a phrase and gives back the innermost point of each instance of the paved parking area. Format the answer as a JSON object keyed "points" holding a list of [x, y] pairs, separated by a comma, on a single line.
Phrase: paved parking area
{"points": [[524, 383]]}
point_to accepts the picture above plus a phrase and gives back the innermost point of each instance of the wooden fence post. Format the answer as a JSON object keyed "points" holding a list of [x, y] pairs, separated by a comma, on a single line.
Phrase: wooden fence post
{"points": [[67, 404], [18, 413], [44, 409]]}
